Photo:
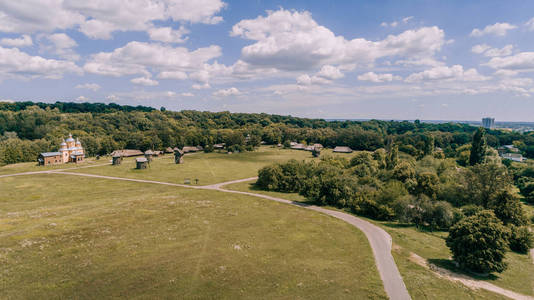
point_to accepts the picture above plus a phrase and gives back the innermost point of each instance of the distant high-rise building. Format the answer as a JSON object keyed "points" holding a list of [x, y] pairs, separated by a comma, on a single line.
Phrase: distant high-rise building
{"points": [[488, 122]]}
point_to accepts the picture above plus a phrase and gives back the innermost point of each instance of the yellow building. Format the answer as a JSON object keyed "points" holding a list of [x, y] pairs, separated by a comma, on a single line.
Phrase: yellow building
{"points": [[71, 150]]}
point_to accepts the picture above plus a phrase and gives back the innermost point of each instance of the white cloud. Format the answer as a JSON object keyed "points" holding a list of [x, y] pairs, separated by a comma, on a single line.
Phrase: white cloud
{"points": [[201, 86], [530, 24], [492, 52], [407, 19], [479, 49], [455, 72], [373, 77], [330, 72], [82, 98], [141, 58], [17, 64], [179, 75], [100, 18], [498, 29], [144, 81], [293, 41], [90, 86], [112, 97], [168, 35], [59, 44], [504, 51], [187, 94], [7, 100], [23, 41], [523, 61], [227, 92]]}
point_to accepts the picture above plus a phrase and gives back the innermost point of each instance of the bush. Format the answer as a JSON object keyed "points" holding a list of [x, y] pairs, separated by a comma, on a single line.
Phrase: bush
{"points": [[478, 243], [521, 239]]}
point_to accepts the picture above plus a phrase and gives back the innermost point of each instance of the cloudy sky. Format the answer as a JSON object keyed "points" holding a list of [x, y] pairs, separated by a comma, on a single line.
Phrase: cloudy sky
{"points": [[439, 60]]}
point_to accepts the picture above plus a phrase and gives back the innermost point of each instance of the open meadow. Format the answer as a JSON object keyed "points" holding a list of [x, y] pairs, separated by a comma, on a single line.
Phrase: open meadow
{"points": [[74, 237], [422, 283]]}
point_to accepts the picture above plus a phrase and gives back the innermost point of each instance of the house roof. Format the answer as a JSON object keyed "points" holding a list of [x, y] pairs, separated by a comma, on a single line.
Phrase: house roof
{"points": [[127, 152], [342, 149], [168, 150], [141, 159], [298, 147], [149, 152], [186, 149], [48, 154]]}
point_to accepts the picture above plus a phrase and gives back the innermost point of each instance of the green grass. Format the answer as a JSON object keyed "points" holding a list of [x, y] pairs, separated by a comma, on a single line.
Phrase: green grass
{"points": [[421, 283], [32, 166], [67, 237], [209, 168]]}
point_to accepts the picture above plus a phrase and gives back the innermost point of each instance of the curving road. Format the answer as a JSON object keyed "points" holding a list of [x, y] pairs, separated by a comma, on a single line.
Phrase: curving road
{"points": [[379, 239]]}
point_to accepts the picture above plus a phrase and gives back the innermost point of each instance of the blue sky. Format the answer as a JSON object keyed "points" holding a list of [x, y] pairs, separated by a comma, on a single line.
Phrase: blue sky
{"points": [[438, 60]]}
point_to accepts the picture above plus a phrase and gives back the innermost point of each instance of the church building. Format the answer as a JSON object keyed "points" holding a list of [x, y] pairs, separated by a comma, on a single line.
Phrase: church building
{"points": [[70, 150]]}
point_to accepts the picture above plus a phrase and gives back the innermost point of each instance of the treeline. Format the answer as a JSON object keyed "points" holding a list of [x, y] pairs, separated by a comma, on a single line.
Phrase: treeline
{"points": [[105, 127], [477, 203], [71, 107]]}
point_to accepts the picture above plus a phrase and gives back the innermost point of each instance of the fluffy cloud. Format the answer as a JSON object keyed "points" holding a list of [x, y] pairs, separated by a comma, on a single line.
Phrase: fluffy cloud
{"points": [[144, 81], [293, 41], [17, 64], [142, 58], [168, 35], [455, 72], [100, 18], [90, 86], [373, 77], [59, 44], [227, 92], [498, 29], [23, 41], [187, 94], [523, 61], [492, 52], [179, 75]]}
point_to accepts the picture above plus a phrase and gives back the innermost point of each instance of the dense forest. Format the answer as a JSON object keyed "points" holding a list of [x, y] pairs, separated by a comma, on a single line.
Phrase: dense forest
{"points": [[27, 128]]}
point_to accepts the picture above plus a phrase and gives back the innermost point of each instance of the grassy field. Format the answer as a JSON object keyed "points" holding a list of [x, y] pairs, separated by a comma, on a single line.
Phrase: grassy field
{"points": [[75, 237], [208, 168], [421, 283], [32, 166]]}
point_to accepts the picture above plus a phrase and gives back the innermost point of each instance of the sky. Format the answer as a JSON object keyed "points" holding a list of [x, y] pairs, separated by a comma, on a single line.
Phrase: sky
{"points": [[430, 60]]}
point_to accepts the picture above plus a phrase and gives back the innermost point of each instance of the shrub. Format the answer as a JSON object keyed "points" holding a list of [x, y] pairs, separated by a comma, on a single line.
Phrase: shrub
{"points": [[478, 243], [521, 239]]}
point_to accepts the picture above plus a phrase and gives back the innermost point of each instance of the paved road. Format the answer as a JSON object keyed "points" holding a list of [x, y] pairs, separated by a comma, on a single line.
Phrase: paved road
{"points": [[379, 240]]}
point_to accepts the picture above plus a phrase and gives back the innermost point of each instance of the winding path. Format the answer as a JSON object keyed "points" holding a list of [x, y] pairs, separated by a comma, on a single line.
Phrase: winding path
{"points": [[379, 239]]}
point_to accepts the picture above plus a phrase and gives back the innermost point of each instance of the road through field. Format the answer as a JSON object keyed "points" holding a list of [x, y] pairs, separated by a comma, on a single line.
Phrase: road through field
{"points": [[379, 240]]}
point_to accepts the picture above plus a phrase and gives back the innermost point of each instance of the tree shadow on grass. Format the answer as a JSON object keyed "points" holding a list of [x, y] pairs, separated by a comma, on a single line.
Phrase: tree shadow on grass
{"points": [[450, 265], [398, 225]]}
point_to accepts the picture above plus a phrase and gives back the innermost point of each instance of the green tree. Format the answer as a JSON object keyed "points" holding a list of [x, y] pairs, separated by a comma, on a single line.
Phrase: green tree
{"points": [[393, 157], [508, 209], [521, 239], [478, 243], [478, 147]]}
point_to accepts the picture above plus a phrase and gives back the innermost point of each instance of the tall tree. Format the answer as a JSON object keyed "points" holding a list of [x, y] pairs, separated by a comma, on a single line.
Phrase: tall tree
{"points": [[478, 147]]}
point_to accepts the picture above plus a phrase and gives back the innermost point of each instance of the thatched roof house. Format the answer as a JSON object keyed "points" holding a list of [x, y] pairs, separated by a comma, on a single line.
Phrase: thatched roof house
{"points": [[318, 146], [342, 149], [169, 150], [127, 153], [298, 147], [187, 149], [218, 146]]}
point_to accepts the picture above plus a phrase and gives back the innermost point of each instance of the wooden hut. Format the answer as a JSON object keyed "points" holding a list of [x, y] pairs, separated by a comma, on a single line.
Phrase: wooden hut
{"points": [[141, 163], [117, 160], [342, 149], [169, 150], [149, 155]]}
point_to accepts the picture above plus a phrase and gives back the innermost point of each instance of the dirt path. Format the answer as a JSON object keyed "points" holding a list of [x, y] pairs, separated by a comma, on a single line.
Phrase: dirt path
{"points": [[466, 280]]}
